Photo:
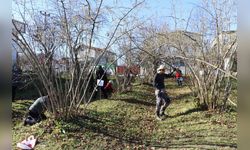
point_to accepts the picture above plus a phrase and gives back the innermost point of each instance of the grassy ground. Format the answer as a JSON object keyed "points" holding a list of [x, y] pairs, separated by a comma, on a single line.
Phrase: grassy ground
{"points": [[127, 121]]}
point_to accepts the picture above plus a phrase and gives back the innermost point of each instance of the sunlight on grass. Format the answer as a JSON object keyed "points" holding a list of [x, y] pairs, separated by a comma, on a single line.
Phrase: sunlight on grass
{"points": [[127, 121]]}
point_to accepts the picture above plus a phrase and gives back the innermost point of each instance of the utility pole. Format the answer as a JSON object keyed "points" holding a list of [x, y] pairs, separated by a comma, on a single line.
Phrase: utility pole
{"points": [[45, 14], [48, 55]]}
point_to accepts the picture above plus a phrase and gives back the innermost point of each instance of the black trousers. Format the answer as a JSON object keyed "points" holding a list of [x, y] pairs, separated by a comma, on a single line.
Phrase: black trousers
{"points": [[37, 116], [104, 92], [109, 93]]}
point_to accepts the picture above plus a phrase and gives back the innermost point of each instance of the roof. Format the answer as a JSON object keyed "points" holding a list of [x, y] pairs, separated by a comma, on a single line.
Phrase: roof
{"points": [[186, 32], [229, 32], [96, 49]]}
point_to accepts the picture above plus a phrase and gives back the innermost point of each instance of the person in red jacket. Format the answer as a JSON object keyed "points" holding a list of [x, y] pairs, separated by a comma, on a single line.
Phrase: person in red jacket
{"points": [[108, 88], [178, 76]]}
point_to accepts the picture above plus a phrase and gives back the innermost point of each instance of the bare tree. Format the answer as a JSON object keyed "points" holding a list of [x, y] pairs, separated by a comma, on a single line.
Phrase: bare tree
{"points": [[69, 32], [208, 50], [205, 53]]}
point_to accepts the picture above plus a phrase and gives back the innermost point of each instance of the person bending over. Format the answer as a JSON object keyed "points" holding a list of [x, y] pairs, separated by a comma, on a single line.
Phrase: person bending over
{"points": [[36, 111]]}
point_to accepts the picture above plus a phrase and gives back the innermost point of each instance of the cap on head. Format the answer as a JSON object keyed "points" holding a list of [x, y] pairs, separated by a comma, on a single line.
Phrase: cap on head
{"points": [[161, 67]]}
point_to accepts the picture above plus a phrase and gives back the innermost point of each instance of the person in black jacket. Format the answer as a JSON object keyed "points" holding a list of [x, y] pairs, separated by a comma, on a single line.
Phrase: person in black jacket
{"points": [[101, 74], [162, 99]]}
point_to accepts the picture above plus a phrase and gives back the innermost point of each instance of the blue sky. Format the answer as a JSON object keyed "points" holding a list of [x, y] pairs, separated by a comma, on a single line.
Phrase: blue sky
{"points": [[157, 9], [160, 10]]}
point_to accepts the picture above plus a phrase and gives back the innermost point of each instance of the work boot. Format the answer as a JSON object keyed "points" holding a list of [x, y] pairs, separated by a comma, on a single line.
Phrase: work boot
{"points": [[158, 116], [163, 114]]}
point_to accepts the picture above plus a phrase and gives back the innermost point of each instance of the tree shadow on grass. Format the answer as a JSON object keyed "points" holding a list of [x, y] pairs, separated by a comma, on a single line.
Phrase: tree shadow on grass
{"points": [[181, 96], [109, 128], [202, 145], [136, 101], [171, 86], [140, 94], [148, 84], [198, 109]]}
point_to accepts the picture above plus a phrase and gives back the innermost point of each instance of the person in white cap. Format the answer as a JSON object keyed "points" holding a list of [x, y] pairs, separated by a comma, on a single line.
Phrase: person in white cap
{"points": [[162, 99]]}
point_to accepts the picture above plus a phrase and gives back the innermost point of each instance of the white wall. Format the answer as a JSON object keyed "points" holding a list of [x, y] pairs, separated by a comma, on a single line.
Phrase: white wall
{"points": [[90, 53]]}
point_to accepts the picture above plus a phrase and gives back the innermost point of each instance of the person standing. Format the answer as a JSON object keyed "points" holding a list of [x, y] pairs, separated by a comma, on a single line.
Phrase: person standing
{"points": [[101, 75], [109, 88], [162, 98], [178, 76]]}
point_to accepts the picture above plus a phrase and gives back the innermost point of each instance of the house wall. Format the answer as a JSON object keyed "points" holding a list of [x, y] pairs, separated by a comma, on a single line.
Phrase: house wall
{"points": [[82, 54], [108, 57], [133, 69]]}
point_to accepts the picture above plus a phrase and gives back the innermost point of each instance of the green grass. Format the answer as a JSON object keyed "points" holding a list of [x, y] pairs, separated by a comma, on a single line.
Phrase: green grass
{"points": [[127, 121]]}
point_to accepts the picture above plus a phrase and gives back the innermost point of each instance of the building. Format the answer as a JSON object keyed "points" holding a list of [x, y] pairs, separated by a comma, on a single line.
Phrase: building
{"points": [[189, 42], [228, 44], [16, 51], [107, 60], [94, 53], [134, 70]]}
